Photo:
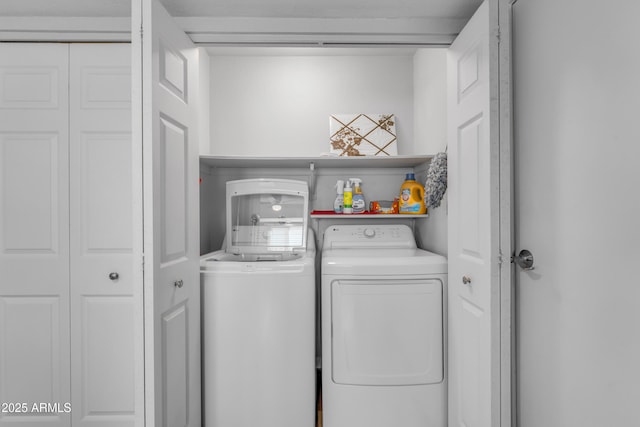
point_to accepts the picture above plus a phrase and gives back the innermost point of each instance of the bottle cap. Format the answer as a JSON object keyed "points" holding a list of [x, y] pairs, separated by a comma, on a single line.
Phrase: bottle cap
{"points": [[410, 176]]}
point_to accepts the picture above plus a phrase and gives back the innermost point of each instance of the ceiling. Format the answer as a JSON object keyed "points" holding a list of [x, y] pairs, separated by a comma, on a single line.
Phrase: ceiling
{"points": [[324, 8], [252, 8]]}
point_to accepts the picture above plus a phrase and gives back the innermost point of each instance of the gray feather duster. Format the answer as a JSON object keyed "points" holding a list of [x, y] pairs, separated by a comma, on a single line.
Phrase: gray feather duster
{"points": [[436, 184]]}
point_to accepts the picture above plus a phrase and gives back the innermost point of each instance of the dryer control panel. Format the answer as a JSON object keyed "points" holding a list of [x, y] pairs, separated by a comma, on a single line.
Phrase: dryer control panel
{"points": [[369, 236]]}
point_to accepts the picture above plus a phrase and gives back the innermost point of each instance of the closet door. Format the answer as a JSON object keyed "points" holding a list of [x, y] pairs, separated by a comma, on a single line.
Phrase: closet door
{"points": [[34, 233], [479, 226], [168, 113], [106, 310]]}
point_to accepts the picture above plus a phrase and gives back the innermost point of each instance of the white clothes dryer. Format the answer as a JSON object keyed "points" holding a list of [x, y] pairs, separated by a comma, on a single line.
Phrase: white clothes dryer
{"points": [[383, 329], [258, 315]]}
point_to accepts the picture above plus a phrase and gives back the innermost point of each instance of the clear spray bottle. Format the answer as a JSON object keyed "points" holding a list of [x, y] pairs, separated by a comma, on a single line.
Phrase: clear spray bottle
{"points": [[348, 198]]}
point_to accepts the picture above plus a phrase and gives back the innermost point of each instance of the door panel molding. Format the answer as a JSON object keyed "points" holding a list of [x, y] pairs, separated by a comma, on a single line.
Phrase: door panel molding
{"points": [[166, 119], [34, 230], [106, 306], [480, 221]]}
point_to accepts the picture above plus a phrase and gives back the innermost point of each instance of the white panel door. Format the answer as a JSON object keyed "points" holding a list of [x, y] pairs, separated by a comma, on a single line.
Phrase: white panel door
{"points": [[477, 336], [106, 311], [34, 230], [577, 99], [171, 218]]}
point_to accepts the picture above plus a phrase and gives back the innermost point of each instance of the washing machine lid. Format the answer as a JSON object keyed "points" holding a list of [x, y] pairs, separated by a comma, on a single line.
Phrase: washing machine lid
{"points": [[222, 256], [266, 215], [221, 263]]}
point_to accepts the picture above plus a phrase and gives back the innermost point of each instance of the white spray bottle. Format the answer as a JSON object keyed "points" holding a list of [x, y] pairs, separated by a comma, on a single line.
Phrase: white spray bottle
{"points": [[338, 204], [358, 197]]}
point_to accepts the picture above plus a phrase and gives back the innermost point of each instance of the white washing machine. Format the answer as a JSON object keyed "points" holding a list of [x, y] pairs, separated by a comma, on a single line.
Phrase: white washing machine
{"points": [[383, 329], [258, 297]]}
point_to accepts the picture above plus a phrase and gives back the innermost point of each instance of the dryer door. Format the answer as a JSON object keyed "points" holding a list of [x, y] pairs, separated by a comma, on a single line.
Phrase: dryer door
{"points": [[387, 332]]}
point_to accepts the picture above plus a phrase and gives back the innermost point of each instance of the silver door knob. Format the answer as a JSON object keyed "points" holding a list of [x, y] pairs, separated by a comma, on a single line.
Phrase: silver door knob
{"points": [[114, 276], [524, 259], [466, 280], [178, 283]]}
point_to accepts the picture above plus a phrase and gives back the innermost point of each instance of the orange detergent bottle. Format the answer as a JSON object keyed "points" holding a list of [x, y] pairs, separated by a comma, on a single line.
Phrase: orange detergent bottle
{"points": [[412, 196]]}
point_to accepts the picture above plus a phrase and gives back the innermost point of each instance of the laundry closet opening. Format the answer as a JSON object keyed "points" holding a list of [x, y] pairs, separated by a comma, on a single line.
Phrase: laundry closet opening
{"points": [[276, 102], [270, 104]]}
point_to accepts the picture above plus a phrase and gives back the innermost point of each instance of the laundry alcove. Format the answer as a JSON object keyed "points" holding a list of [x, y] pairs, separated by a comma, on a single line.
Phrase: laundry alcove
{"points": [[462, 69]]}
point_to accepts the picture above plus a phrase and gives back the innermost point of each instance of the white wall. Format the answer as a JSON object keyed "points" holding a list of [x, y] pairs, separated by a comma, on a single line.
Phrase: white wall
{"points": [[279, 105], [577, 102], [204, 103], [430, 134], [430, 100]]}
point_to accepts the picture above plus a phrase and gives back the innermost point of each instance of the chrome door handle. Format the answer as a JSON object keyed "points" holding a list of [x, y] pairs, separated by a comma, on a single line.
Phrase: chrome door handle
{"points": [[178, 283], [466, 280], [114, 276], [524, 259]]}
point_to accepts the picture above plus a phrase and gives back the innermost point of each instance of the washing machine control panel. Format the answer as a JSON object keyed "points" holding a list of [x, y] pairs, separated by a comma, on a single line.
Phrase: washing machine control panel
{"points": [[369, 236], [369, 232]]}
